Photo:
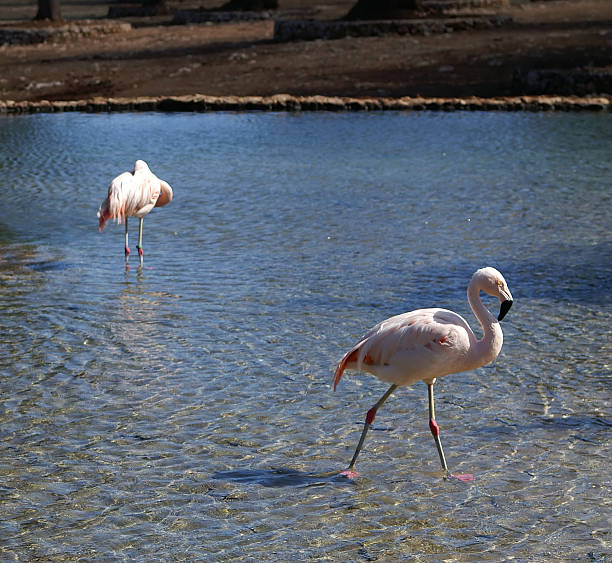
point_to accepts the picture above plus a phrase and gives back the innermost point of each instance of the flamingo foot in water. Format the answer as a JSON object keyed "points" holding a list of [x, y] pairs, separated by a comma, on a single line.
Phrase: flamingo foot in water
{"points": [[127, 250], [464, 477], [349, 473]]}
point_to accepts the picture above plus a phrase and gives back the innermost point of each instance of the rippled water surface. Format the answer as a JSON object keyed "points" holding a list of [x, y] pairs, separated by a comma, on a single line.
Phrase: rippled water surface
{"points": [[183, 411]]}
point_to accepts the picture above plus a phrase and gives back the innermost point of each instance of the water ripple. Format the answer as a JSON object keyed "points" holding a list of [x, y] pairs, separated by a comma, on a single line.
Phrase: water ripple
{"points": [[183, 410]]}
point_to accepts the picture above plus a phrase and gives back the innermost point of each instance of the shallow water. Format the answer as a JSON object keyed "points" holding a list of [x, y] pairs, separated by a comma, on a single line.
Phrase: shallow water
{"points": [[183, 410]]}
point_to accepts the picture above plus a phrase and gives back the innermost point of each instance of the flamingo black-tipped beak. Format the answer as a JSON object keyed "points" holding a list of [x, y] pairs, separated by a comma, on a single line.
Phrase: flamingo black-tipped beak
{"points": [[504, 308]]}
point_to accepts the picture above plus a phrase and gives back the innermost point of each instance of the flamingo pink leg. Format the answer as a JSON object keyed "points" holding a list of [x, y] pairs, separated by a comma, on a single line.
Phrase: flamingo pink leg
{"points": [[433, 426], [370, 416], [139, 245], [127, 248], [435, 430]]}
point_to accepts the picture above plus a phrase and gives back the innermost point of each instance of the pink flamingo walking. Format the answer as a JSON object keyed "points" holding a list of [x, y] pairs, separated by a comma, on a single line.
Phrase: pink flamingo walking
{"points": [[426, 344], [134, 194]]}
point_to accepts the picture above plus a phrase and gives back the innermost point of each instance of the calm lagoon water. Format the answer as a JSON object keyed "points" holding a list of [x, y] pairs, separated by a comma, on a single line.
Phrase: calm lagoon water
{"points": [[180, 412]]}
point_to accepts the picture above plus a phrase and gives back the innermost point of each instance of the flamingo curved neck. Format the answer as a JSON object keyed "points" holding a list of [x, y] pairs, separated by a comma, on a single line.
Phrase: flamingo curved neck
{"points": [[488, 347]]}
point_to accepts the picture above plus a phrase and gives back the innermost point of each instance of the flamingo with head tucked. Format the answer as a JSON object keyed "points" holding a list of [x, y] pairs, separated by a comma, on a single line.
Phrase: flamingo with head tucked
{"points": [[426, 344], [134, 194]]}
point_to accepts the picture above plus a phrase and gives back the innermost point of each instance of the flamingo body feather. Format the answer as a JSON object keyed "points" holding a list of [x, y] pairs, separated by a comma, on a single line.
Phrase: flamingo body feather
{"points": [[422, 344]]}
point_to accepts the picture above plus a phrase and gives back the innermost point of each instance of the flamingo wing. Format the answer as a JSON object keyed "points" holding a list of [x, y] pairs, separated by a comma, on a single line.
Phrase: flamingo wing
{"points": [[422, 344], [144, 192], [114, 206]]}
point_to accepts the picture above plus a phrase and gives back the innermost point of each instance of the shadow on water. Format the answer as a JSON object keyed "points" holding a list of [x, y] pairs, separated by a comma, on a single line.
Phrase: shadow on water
{"points": [[6, 235], [49, 266], [578, 273], [24, 258], [281, 477], [552, 423], [22, 266]]}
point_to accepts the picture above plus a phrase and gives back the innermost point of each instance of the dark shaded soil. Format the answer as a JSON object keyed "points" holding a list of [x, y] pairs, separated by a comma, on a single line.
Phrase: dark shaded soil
{"points": [[552, 47]]}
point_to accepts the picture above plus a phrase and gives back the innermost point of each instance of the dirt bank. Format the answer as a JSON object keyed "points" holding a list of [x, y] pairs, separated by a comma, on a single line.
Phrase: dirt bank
{"points": [[554, 48], [284, 102]]}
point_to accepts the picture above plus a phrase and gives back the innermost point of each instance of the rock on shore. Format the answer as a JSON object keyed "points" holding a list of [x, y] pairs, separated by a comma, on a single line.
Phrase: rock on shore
{"points": [[284, 102]]}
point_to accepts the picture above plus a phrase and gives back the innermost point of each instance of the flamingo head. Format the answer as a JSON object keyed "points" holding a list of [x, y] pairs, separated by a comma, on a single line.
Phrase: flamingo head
{"points": [[165, 194], [492, 282]]}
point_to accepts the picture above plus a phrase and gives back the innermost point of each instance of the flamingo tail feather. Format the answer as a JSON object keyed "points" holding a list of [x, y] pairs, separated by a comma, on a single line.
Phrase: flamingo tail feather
{"points": [[352, 356]]}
